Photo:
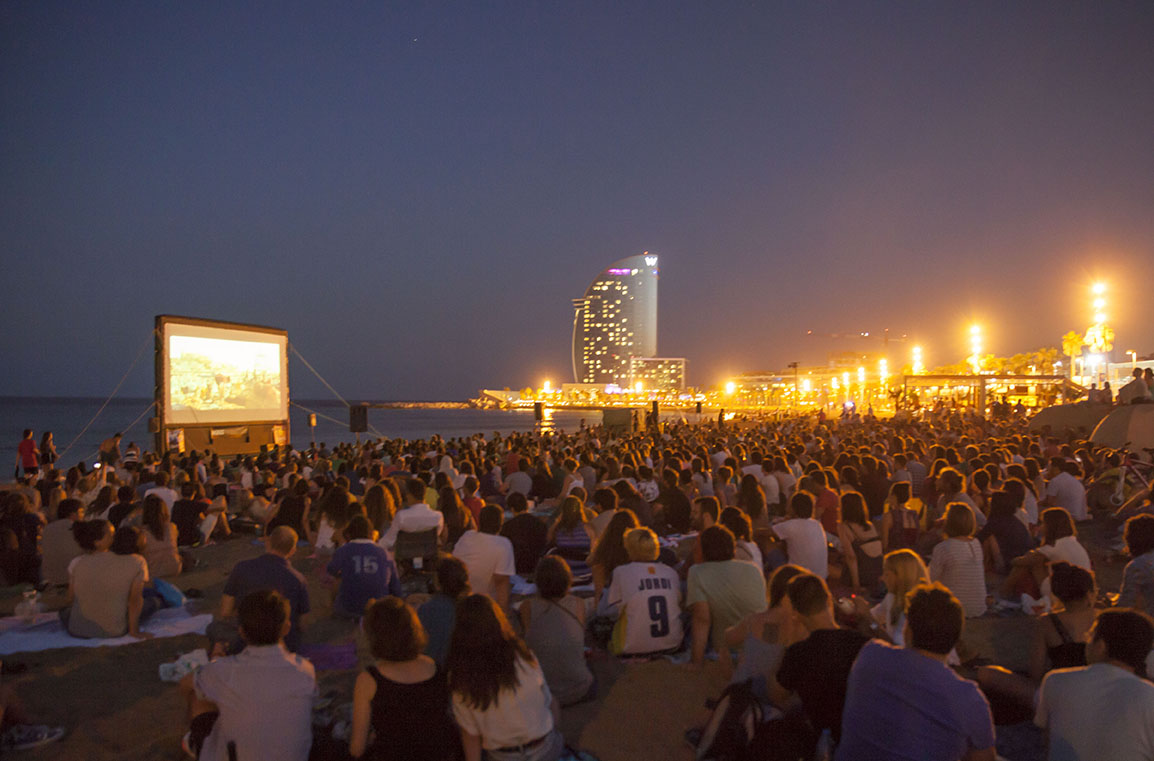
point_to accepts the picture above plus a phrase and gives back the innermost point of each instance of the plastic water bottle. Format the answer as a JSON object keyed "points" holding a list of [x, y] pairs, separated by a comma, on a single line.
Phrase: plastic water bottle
{"points": [[28, 607]]}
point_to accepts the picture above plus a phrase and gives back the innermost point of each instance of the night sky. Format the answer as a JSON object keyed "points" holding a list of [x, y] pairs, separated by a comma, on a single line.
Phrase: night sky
{"points": [[416, 191]]}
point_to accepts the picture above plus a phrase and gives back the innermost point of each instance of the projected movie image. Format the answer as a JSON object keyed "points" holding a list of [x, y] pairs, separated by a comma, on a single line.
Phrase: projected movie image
{"points": [[213, 379]]}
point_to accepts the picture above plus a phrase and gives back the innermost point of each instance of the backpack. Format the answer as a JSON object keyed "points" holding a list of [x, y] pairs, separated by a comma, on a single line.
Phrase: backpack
{"points": [[729, 733]]}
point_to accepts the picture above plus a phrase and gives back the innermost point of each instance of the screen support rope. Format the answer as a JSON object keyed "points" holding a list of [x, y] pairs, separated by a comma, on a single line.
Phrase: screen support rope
{"points": [[123, 378]]}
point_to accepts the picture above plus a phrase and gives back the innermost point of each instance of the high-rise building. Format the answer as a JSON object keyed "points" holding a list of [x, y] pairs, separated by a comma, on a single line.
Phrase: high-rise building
{"points": [[657, 373], [615, 321]]}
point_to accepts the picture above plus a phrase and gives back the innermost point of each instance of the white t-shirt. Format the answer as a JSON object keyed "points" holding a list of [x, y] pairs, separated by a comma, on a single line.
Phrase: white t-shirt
{"points": [[648, 596], [958, 564], [749, 551], [415, 518], [806, 544], [1068, 492], [517, 716], [1067, 550], [166, 494], [485, 555], [1098, 711], [770, 486]]}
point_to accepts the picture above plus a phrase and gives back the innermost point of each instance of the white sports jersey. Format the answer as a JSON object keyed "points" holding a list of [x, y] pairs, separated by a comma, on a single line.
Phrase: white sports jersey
{"points": [[648, 596]]}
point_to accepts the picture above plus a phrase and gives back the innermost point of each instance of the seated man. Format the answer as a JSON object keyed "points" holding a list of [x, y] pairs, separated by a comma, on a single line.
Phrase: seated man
{"points": [[488, 557], [805, 538], [906, 703], [415, 516], [721, 592], [816, 669], [1104, 710], [365, 570], [260, 700], [271, 570], [647, 595], [527, 532]]}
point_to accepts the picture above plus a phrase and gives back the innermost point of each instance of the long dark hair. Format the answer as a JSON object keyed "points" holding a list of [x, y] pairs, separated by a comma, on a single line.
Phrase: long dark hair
{"points": [[610, 548], [155, 516], [751, 498], [483, 652]]}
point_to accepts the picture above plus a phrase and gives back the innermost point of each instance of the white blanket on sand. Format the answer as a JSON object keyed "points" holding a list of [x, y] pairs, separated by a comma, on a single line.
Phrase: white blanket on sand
{"points": [[47, 633]]}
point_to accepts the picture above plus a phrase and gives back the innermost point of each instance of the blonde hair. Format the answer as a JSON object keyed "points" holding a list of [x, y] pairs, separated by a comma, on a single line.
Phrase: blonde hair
{"points": [[641, 545], [909, 571]]}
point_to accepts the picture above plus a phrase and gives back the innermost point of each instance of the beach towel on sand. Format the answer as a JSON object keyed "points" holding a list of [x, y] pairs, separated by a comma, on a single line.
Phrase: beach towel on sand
{"points": [[47, 633]]}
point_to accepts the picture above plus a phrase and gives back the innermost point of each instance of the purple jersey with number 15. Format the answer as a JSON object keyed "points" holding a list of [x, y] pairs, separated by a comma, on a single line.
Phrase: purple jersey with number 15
{"points": [[366, 572]]}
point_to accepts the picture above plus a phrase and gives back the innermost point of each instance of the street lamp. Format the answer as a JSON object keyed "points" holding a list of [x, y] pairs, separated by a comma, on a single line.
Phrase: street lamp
{"points": [[1133, 358], [730, 387], [918, 367]]}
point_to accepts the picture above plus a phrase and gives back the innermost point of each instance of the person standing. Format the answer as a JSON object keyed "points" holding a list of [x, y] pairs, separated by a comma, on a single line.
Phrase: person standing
{"points": [[28, 454], [48, 454], [110, 451]]}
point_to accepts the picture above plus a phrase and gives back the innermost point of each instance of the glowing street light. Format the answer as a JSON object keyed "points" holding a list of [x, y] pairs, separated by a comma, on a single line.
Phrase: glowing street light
{"points": [[547, 386], [976, 347], [1133, 358], [883, 371], [730, 387], [918, 367]]}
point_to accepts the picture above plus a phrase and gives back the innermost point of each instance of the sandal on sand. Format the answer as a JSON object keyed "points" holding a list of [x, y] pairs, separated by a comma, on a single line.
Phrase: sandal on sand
{"points": [[25, 736]]}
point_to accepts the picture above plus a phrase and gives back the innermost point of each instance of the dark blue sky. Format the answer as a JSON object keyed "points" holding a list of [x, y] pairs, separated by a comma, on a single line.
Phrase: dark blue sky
{"points": [[415, 191]]}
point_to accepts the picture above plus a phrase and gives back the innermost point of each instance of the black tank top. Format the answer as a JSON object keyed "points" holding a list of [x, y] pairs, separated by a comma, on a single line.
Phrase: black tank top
{"points": [[1070, 653], [412, 720]]}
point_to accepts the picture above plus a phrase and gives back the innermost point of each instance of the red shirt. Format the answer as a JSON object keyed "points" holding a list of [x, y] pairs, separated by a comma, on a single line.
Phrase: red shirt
{"points": [[27, 450]]}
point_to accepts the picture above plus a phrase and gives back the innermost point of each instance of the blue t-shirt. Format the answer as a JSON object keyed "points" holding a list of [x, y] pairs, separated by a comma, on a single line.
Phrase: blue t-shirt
{"points": [[366, 573], [438, 615], [271, 571], [901, 704]]}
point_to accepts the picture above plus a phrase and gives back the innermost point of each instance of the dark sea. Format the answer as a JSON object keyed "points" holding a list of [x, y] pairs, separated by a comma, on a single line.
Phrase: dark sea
{"points": [[67, 417]]}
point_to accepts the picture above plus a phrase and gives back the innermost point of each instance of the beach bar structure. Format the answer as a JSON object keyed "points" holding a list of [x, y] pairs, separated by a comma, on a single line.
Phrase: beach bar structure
{"points": [[1031, 390]]}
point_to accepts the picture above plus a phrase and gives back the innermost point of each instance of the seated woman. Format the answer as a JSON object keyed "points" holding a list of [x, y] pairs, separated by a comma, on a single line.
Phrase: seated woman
{"points": [[1029, 573], [572, 536], [438, 614], [609, 552], [160, 537], [401, 702], [763, 637], [901, 525], [1005, 537], [861, 544], [902, 570], [499, 695], [957, 560], [554, 624], [105, 590], [1059, 641], [738, 522]]}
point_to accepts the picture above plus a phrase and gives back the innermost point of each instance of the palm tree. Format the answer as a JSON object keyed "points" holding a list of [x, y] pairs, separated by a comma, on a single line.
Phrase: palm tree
{"points": [[1072, 345]]}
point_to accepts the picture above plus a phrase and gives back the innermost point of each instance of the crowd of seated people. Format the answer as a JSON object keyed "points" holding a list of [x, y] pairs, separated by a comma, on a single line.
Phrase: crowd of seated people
{"points": [[699, 543]]}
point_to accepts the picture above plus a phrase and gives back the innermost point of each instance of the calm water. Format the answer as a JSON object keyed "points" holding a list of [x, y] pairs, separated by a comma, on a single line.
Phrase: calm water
{"points": [[67, 416]]}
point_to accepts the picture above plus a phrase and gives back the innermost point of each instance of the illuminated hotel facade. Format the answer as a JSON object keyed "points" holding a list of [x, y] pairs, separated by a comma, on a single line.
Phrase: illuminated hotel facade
{"points": [[615, 321]]}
